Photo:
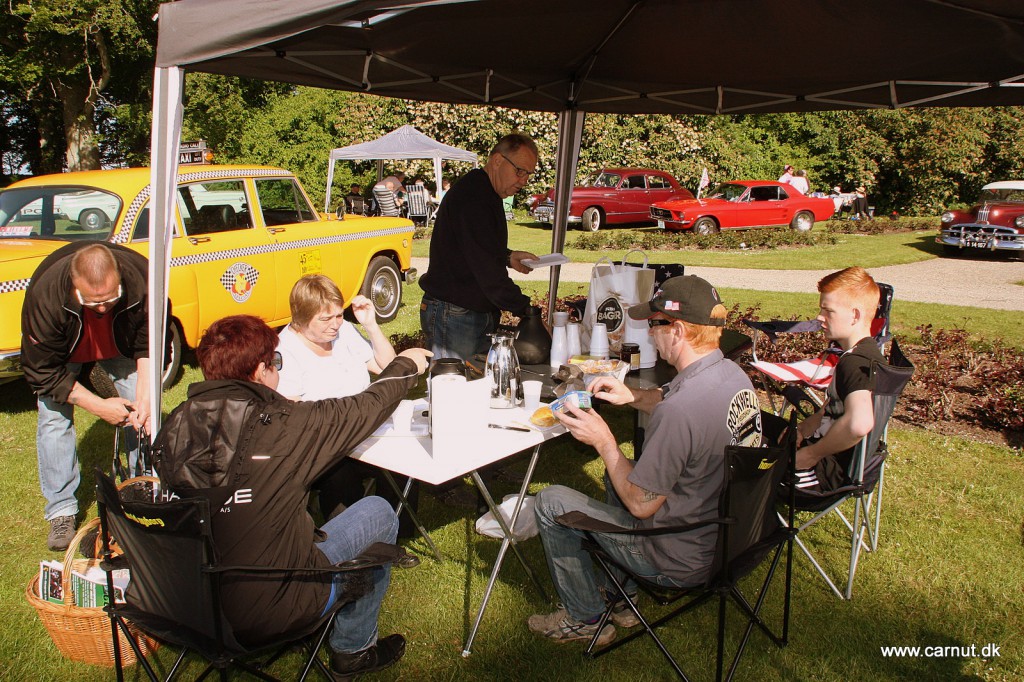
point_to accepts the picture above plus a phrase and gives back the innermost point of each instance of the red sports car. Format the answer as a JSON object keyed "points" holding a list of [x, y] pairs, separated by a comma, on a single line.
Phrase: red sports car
{"points": [[742, 204], [615, 195]]}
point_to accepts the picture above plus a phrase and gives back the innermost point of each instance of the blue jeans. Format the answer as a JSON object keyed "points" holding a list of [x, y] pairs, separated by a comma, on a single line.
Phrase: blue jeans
{"points": [[369, 520], [57, 442], [572, 570], [453, 331]]}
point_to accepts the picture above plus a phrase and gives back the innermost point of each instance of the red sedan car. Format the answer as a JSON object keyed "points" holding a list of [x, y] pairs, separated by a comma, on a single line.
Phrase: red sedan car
{"points": [[615, 195], [995, 223], [742, 204]]}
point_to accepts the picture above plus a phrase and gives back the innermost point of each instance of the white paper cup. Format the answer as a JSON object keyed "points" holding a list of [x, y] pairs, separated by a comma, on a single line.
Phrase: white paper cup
{"points": [[531, 395], [560, 319], [402, 417]]}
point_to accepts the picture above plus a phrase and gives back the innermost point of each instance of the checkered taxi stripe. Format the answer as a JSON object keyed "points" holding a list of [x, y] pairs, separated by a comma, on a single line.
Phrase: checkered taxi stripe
{"points": [[226, 254]]}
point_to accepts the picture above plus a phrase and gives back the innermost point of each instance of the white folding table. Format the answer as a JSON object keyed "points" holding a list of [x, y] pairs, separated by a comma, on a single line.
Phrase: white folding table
{"points": [[423, 459]]}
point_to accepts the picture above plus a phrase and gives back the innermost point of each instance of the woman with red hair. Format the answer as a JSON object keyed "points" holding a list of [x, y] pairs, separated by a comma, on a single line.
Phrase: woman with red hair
{"points": [[237, 439]]}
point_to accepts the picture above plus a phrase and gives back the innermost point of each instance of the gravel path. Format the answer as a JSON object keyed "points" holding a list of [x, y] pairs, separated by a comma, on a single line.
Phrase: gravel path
{"points": [[958, 281]]}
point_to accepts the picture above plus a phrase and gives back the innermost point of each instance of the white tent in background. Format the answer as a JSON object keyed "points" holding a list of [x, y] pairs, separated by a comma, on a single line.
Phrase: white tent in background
{"points": [[404, 143]]}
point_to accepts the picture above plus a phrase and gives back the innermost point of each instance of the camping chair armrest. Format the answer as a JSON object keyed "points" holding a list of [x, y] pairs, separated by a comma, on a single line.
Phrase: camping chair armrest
{"points": [[377, 554], [580, 521], [772, 328]]}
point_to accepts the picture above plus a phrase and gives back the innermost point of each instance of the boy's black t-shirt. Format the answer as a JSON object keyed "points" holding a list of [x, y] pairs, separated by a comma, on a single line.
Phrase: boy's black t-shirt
{"points": [[853, 373]]}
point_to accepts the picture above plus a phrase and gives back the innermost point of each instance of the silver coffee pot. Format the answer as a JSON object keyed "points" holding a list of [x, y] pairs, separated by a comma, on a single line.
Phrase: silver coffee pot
{"points": [[502, 370]]}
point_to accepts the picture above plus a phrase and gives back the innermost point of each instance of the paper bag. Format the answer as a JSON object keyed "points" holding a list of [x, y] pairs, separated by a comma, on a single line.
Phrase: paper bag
{"points": [[614, 287]]}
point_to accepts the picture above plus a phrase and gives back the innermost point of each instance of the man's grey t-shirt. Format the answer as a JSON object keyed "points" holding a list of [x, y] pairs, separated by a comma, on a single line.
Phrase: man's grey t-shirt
{"points": [[710, 405]]}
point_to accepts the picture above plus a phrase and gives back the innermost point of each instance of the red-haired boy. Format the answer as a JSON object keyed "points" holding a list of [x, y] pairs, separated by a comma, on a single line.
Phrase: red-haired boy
{"points": [[848, 303]]}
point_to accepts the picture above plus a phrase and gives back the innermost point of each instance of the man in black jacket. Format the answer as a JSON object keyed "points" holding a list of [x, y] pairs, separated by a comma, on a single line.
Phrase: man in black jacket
{"points": [[87, 302], [467, 284], [237, 439]]}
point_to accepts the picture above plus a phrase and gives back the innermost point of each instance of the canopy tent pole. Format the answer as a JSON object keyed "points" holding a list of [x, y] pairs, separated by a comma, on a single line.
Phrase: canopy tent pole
{"points": [[167, 109], [330, 182], [570, 135], [437, 175]]}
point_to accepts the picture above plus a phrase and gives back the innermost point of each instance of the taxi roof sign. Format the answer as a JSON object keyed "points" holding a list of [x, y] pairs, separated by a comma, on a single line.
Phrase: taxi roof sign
{"points": [[194, 152]]}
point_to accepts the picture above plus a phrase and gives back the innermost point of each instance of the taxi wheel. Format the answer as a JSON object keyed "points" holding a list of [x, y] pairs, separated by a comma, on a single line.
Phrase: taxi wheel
{"points": [[383, 286], [172, 359], [93, 219]]}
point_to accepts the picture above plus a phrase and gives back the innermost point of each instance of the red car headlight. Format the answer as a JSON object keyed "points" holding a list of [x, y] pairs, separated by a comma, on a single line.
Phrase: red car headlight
{"points": [[947, 217]]}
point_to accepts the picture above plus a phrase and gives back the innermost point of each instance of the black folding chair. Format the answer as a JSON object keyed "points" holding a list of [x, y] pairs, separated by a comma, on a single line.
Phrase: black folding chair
{"points": [[864, 478], [749, 533], [174, 593]]}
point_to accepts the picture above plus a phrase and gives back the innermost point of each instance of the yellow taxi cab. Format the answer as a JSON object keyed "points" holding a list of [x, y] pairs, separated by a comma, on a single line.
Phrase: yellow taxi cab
{"points": [[242, 237]]}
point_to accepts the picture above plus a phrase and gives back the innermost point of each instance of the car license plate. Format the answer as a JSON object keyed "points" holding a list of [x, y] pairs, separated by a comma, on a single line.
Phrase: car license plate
{"points": [[977, 243]]}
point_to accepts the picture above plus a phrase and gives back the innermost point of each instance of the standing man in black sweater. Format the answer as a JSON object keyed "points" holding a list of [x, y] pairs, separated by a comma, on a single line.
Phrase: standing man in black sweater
{"points": [[467, 284]]}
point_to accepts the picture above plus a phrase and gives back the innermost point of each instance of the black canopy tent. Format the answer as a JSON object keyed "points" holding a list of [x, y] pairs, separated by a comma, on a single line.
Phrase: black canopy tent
{"points": [[575, 56]]}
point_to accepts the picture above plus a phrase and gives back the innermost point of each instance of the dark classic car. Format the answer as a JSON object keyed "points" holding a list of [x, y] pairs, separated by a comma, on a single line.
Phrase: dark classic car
{"points": [[741, 204], [995, 223], [615, 196]]}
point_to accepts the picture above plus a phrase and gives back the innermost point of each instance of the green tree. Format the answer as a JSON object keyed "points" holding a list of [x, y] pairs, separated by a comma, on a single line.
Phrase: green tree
{"points": [[68, 55], [298, 130]]}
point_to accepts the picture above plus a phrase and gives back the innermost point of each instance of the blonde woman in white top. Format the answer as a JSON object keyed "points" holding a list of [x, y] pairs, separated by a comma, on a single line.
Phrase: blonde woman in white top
{"points": [[325, 356]]}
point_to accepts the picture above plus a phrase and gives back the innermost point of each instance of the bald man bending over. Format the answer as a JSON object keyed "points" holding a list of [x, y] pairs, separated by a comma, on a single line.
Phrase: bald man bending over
{"points": [[87, 302]]}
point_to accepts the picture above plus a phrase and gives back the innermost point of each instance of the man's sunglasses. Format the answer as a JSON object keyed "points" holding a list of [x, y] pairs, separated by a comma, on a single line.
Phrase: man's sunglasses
{"points": [[97, 304], [276, 361], [658, 322]]}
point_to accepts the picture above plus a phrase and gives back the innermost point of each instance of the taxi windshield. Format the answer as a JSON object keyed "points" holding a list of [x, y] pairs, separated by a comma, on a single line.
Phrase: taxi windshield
{"points": [[65, 213]]}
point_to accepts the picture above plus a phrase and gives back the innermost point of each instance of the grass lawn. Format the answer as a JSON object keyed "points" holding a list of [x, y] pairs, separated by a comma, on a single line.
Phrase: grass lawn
{"points": [[869, 251], [947, 573]]}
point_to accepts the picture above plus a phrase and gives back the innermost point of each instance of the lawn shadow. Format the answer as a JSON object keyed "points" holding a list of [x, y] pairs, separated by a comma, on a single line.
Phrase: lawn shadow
{"points": [[16, 397]]}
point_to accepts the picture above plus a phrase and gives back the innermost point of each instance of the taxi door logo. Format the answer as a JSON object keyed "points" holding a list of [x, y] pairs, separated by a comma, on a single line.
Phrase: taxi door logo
{"points": [[239, 281]]}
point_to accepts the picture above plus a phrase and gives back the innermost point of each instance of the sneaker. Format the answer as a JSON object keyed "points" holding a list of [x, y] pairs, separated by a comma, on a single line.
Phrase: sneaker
{"points": [[623, 616], [561, 627], [384, 653], [62, 530]]}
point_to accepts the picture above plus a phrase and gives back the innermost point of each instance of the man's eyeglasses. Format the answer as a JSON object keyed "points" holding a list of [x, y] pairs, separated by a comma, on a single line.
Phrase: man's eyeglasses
{"points": [[276, 361], [97, 304], [520, 172], [658, 322]]}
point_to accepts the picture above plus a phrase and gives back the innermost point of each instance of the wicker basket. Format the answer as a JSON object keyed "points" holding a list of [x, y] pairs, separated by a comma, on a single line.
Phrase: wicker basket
{"points": [[83, 634]]}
